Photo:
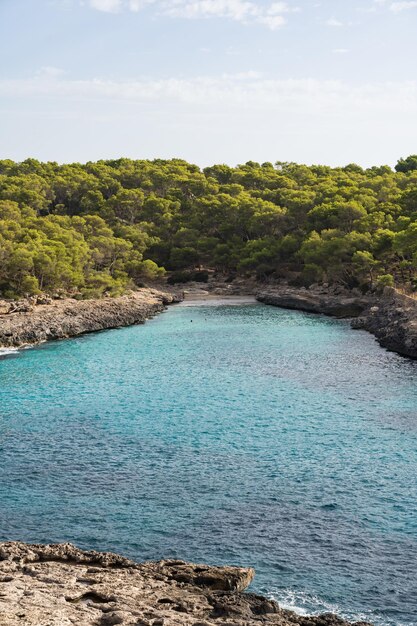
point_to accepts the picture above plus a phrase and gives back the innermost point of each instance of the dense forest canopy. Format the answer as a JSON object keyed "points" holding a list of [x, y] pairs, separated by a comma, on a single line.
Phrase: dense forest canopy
{"points": [[103, 227]]}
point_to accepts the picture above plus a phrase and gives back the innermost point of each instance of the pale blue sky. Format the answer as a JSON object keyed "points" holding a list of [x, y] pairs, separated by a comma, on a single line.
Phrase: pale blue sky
{"points": [[332, 81]]}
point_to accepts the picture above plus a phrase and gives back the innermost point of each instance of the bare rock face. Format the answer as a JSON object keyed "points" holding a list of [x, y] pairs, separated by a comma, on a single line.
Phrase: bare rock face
{"points": [[391, 317], [60, 585], [393, 321], [34, 323], [341, 305]]}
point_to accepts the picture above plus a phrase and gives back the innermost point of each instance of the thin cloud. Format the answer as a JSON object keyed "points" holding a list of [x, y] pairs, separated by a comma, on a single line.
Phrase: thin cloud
{"points": [[107, 6], [333, 22], [397, 7], [248, 90], [51, 71], [270, 14]]}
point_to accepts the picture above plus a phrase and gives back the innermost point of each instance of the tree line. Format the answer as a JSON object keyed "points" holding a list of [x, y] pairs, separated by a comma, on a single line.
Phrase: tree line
{"points": [[100, 228]]}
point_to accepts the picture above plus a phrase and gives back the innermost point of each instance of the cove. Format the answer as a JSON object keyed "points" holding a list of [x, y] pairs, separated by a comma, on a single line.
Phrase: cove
{"points": [[224, 434]]}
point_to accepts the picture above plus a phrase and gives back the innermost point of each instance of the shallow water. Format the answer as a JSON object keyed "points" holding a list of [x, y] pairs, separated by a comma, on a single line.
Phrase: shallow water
{"points": [[224, 434]]}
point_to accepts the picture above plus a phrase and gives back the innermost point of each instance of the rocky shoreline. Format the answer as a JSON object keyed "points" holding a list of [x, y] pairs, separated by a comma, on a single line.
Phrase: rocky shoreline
{"points": [[60, 585], [337, 303], [33, 323], [391, 316], [393, 320]]}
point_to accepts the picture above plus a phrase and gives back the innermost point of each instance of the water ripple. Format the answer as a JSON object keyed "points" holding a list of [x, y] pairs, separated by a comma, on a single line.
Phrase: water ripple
{"points": [[263, 437]]}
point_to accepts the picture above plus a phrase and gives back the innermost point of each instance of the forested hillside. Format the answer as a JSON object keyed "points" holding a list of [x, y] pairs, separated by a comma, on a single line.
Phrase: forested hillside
{"points": [[103, 227]]}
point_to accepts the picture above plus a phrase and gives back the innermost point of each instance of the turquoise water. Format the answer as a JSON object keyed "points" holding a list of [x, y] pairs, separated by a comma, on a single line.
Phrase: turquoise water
{"points": [[249, 435]]}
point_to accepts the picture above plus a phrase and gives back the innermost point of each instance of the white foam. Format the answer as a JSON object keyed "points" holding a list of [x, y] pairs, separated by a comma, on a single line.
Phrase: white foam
{"points": [[8, 351], [308, 604]]}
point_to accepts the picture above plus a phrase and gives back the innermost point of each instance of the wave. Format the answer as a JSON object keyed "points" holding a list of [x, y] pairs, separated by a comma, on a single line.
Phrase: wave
{"points": [[8, 351], [305, 604]]}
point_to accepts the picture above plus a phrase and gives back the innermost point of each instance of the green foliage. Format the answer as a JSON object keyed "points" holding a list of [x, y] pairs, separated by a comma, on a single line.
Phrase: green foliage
{"points": [[149, 270], [100, 228], [407, 165], [385, 280]]}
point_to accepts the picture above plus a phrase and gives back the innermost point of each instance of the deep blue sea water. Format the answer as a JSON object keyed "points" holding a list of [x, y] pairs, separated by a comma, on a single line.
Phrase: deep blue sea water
{"points": [[224, 434]]}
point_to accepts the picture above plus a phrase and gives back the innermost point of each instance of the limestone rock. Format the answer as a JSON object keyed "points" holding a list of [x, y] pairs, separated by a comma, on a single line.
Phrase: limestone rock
{"points": [[341, 305], [60, 585], [393, 321], [32, 322], [391, 317]]}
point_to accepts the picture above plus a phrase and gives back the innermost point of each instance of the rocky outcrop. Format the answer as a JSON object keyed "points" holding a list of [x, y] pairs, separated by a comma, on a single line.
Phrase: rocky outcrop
{"points": [[390, 316], [32, 323], [393, 321], [60, 585], [341, 304]]}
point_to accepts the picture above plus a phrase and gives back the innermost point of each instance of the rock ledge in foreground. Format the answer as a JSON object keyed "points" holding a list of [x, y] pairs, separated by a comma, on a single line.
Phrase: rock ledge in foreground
{"points": [[60, 585]]}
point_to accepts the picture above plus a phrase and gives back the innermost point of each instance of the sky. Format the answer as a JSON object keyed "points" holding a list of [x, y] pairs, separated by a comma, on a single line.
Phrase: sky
{"points": [[210, 81]]}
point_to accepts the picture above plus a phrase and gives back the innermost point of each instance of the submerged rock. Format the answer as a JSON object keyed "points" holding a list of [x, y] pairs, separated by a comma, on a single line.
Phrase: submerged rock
{"points": [[60, 585]]}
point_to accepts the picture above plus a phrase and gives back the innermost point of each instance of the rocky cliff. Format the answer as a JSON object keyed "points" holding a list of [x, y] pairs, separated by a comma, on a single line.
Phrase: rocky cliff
{"points": [[59, 585], [31, 323], [393, 321]]}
